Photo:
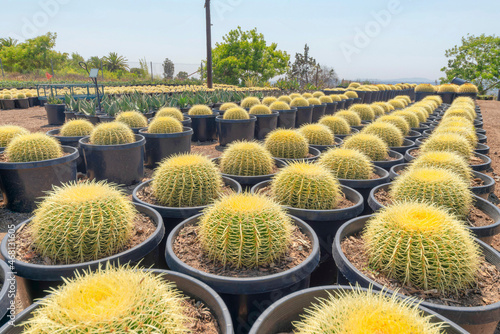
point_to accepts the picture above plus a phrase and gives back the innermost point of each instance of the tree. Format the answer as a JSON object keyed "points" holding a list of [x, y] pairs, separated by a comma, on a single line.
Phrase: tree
{"points": [[182, 75], [476, 60], [94, 62], [168, 69], [113, 62], [325, 77], [245, 54], [7, 42], [303, 68]]}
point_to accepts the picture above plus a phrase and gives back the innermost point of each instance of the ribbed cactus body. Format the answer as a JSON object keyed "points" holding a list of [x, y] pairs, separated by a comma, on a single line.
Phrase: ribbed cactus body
{"points": [[268, 100], [33, 147], [350, 116], [285, 98], [279, 105], [228, 105], [388, 132], [236, 113], [246, 159], [76, 128], [249, 102], [200, 110], [133, 119], [170, 112], [364, 111], [399, 121], [165, 124], [317, 134], [446, 160], [285, 143], [468, 88], [260, 109], [299, 102], [428, 88], [451, 142], [7, 132], [410, 117], [370, 145], [347, 164], [338, 125], [112, 133]]}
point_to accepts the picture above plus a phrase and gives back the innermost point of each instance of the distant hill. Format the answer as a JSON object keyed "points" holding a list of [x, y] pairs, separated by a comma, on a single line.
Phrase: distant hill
{"points": [[405, 80]]}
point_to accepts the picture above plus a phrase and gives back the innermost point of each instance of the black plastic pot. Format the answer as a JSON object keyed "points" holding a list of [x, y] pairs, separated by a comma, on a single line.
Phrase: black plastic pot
{"points": [[478, 168], [22, 103], [323, 148], [8, 104], [69, 115], [413, 135], [32, 101], [482, 138], [161, 145], [39, 278], [246, 298], [407, 144], [421, 129], [278, 317], [331, 108], [315, 152], [482, 149], [22, 183], [325, 223], [353, 131], [304, 116], [348, 103], [480, 319], [231, 130], [73, 142], [286, 118], [204, 127], [341, 105], [421, 95], [318, 111], [447, 97], [398, 159], [122, 164], [358, 127], [106, 118], [7, 293], [266, 124], [55, 113]]}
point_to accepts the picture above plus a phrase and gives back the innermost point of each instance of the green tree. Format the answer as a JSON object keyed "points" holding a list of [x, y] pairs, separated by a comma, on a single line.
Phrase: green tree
{"points": [[7, 42], [476, 60], [182, 75], [168, 69], [303, 69], [94, 62], [245, 54], [113, 62]]}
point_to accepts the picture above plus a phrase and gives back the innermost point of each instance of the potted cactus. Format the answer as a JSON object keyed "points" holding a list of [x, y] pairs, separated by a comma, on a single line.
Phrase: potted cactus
{"points": [[338, 126], [31, 164], [304, 111], [250, 269], [55, 110], [7, 293], [365, 112], [352, 118], [391, 135], [225, 106], [175, 113], [249, 102], [319, 136], [287, 115], [469, 90], [331, 106], [134, 119], [290, 145], [113, 152], [8, 132], [165, 136], [22, 101], [235, 124], [318, 109], [448, 92], [203, 123], [267, 120], [8, 102]]}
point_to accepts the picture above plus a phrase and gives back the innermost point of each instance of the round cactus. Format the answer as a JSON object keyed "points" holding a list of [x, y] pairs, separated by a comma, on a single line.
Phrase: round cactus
{"points": [[133, 119], [306, 186], [170, 112], [344, 97], [377, 110], [351, 94], [458, 113], [76, 128], [405, 98], [467, 133], [338, 125], [317, 134], [347, 164], [200, 110], [307, 95], [457, 121], [350, 116], [388, 132], [435, 185], [288, 144], [279, 105], [112, 133], [399, 121], [422, 245], [325, 99], [410, 117], [364, 111], [335, 97], [435, 98], [372, 146], [299, 102], [32, 147], [420, 113], [165, 125], [451, 142], [268, 100], [112, 300], [383, 105], [294, 95], [21, 96], [448, 88], [397, 104], [246, 159], [465, 99], [285, 98], [446, 160], [8, 132], [227, 105], [236, 113], [318, 94], [186, 180], [249, 102], [245, 230], [425, 88], [313, 101], [260, 109]]}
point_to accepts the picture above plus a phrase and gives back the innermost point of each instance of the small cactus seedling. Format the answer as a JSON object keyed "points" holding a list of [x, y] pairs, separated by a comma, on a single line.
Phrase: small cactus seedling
{"points": [[286, 143], [236, 113], [338, 125], [249, 102], [285, 98], [347, 164], [170, 112], [388, 132], [268, 100], [306, 186], [350, 116], [165, 125], [299, 102], [435, 185], [422, 245], [468, 88], [246, 159], [279, 105], [200, 110], [260, 109], [325, 99], [364, 111], [32, 147], [317, 134], [227, 106], [8, 132], [186, 180], [245, 230], [409, 116], [451, 142], [372, 146], [446, 160], [134, 119], [112, 133], [76, 128], [425, 88], [399, 121], [313, 101], [80, 222]]}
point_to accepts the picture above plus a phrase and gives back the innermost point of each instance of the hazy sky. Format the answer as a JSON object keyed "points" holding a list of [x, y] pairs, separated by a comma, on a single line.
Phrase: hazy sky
{"points": [[386, 39]]}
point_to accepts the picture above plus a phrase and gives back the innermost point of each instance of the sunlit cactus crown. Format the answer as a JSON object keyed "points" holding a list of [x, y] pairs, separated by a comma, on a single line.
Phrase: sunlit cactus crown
{"points": [[411, 117], [383, 105], [457, 121], [165, 124], [268, 100], [451, 142], [364, 111], [347, 164], [465, 132], [448, 88], [446, 160], [388, 132], [317, 134], [335, 97], [294, 95], [435, 185], [76, 128], [420, 112], [351, 94], [377, 110], [299, 102], [8, 132], [406, 98], [112, 133], [32, 147], [236, 113], [134, 119], [428, 88], [285, 98], [372, 146], [170, 112], [435, 98], [354, 85], [463, 106], [318, 94], [366, 312], [343, 97], [307, 95], [325, 99], [464, 99], [399, 121], [228, 105], [350, 116], [458, 113], [313, 101], [260, 109], [186, 180], [249, 102], [7, 97], [427, 106], [80, 222], [245, 230], [306, 186], [200, 110], [279, 105], [338, 125], [397, 104], [468, 88], [246, 159], [112, 300], [21, 96], [286, 143]]}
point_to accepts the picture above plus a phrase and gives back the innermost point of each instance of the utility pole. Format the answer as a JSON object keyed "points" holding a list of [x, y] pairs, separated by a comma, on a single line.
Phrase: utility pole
{"points": [[151, 71], [102, 71], [209, 44], [1, 66]]}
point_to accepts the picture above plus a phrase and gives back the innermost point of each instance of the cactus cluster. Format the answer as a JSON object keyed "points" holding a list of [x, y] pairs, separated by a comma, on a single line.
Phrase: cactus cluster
{"points": [[399, 121], [299, 102], [76, 128], [336, 124], [347, 164], [112, 133], [186, 180], [317, 134], [165, 124], [446, 160], [451, 142], [286, 143], [170, 112], [245, 230], [32, 147], [249, 102], [350, 116], [236, 113], [134, 119], [372, 146], [268, 100], [228, 105], [285, 98], [200, 110], [8, 132], [260, 109], [422, 245], [81, 222], [306, 186], [388, 132], [364, 111], [427, 88], [246, 159], [279, 105]]}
